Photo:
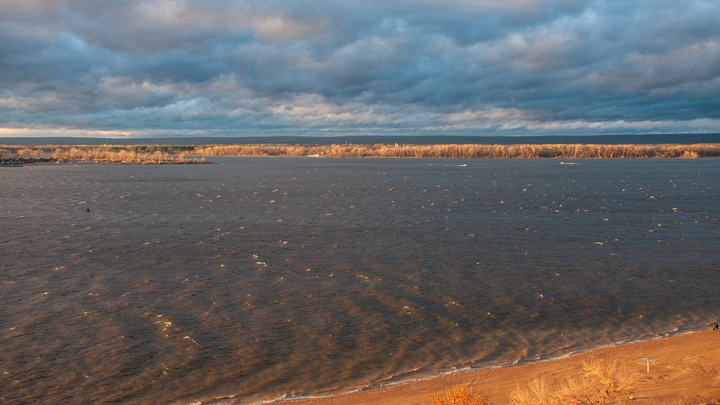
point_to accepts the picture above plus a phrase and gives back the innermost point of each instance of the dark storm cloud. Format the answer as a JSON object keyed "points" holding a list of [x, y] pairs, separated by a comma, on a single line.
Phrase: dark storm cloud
{"points": [[174, 67]]}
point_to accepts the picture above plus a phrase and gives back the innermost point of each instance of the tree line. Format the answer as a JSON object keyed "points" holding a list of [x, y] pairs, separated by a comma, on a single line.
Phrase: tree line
{"points": [[170, 153], [105, 154]]}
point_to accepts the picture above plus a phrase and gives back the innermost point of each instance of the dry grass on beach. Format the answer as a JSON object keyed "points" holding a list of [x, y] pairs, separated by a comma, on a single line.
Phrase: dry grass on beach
{"points": [[458, 396], [687, 373], [600, 384]]}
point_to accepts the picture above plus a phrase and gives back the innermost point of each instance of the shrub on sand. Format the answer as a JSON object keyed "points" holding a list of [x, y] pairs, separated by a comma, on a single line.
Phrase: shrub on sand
{"points": [[458, 396], [600, 384]]}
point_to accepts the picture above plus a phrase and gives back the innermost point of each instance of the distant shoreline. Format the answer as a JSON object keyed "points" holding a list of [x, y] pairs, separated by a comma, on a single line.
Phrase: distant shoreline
{"points": [[52, 162], [184, 154]]}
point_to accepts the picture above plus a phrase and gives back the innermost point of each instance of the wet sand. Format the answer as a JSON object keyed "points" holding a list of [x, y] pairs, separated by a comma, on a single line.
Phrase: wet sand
{"points": [[688, 373]]}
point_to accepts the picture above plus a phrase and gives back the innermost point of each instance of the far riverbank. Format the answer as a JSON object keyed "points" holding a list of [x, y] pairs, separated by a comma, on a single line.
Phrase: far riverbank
{"points": [[178, 153]]}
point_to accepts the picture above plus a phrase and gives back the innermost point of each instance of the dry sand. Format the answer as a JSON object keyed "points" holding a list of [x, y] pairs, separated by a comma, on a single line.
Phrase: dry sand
{"points": [[688, 373]]}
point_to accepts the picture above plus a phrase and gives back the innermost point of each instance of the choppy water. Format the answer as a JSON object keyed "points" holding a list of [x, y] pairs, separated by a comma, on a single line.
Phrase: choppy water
{"points": [[266, 277]]}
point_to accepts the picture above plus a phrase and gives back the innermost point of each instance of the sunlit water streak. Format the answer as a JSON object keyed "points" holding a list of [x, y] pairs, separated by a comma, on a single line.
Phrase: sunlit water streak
{"points": [[261, 278]]}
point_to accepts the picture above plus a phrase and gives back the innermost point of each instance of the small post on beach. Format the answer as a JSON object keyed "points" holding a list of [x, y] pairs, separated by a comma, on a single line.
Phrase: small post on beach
{"points": [[647, 363]]}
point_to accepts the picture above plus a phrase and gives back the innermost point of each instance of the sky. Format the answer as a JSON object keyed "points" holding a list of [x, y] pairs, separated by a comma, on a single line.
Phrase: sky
{"points": [[170, 68]]}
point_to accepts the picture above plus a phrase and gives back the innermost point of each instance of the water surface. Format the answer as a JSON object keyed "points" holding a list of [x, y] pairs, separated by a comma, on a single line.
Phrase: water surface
{"points": [[262, 278]]}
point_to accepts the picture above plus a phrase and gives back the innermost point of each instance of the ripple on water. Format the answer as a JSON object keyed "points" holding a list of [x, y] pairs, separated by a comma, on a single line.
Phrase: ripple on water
{"points": [[231, 281]]}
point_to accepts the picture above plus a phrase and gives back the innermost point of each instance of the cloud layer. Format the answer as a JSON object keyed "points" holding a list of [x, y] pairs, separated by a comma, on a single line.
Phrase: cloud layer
{"points": [[410, 67]]}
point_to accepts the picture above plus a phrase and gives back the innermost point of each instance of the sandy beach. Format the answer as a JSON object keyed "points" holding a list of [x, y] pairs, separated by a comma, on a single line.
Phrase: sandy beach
{"points": [[687, 372]]}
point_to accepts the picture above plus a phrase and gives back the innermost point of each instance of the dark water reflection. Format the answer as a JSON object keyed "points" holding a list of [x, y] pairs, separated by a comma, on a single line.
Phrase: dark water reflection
{"points": [[260, 277]]}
